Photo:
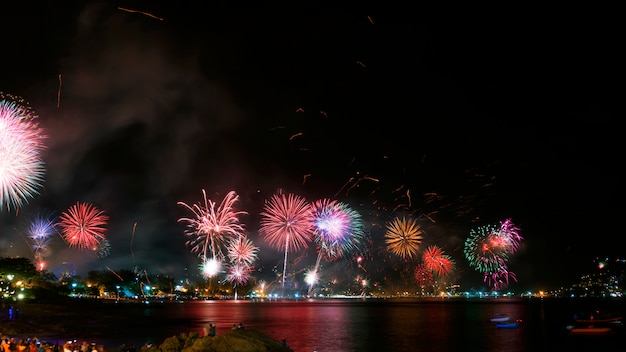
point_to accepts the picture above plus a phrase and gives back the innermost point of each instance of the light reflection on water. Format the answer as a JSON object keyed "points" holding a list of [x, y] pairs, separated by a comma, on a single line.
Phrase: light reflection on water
{"points": [[359, 325]]}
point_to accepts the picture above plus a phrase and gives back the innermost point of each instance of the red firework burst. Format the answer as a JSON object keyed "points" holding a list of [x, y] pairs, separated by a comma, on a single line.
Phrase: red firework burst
{"points": [[83, 226], [437, 261], [423, 276]]}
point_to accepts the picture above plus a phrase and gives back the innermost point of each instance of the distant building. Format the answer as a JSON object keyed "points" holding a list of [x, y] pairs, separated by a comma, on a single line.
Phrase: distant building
{"points": [[606, 279]]}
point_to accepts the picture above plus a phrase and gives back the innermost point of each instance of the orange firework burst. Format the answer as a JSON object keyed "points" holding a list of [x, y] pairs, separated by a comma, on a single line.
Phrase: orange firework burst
{"points": [[403, 237]]}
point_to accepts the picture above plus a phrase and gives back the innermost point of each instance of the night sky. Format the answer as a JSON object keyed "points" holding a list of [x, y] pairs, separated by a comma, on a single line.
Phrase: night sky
{"points": [[457, 119]]}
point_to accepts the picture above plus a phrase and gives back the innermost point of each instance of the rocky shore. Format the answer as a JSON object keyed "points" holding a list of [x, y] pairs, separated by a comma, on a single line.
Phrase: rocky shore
{"points": [[240, 340]]}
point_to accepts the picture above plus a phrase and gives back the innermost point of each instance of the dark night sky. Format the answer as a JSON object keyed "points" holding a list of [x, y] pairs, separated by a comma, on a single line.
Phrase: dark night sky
{"points": [[505, 114]]}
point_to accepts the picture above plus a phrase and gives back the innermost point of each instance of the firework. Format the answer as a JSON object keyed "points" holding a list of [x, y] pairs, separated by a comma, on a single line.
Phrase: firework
{"points": [[103, 249], [83, 226], [508, 236], [499, 279], [39, 232], [404, 237], [423, 276], [488, 248], [239, 273], [21, 144], [287, 224], [242, 251], [436, 261], [337, 228], [311, 277], [210, 267], [483, 249], [212, 228]]}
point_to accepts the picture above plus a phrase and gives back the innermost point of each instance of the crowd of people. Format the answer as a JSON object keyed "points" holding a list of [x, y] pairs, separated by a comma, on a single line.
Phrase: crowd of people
{"points": [[11, 344]]}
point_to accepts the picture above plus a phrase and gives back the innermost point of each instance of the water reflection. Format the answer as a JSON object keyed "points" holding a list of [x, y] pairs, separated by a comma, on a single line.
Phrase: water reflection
{"points": [[385, 325]]}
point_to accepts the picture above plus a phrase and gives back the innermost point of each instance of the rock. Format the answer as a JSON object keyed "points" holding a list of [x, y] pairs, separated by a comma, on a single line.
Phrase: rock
{"points": [[241, 340]]}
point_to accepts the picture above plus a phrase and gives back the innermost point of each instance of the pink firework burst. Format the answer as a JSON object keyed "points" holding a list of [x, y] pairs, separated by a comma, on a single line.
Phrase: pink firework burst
{"points": [[499, 279], [242, 254], [21, 165], [83, 226], [509, 236], [435, 260], [239, 273], [242, 250], [287, 224], [212, 227]]}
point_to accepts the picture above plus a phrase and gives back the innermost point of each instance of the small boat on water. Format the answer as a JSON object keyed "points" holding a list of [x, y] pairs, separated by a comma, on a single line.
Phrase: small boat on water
{"points": [[509, 325], [598, 317], [595, 323], [600, 320], [499, 318], [589, 330]]}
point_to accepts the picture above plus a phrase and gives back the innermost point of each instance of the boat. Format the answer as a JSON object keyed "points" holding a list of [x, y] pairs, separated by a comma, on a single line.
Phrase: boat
{"points": [[596, 323], [499, 318], [598, 317], [589, 330], [509, 325], [600, 320]]}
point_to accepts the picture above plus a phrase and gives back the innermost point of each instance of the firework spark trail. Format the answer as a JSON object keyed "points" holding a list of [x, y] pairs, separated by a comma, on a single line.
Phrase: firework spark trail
{"points": [[59, 91], [364, 178], [355, 184], [114, 273], [344, 186], [132, 238], [141, 12], [145, 272], [299, 134]]}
